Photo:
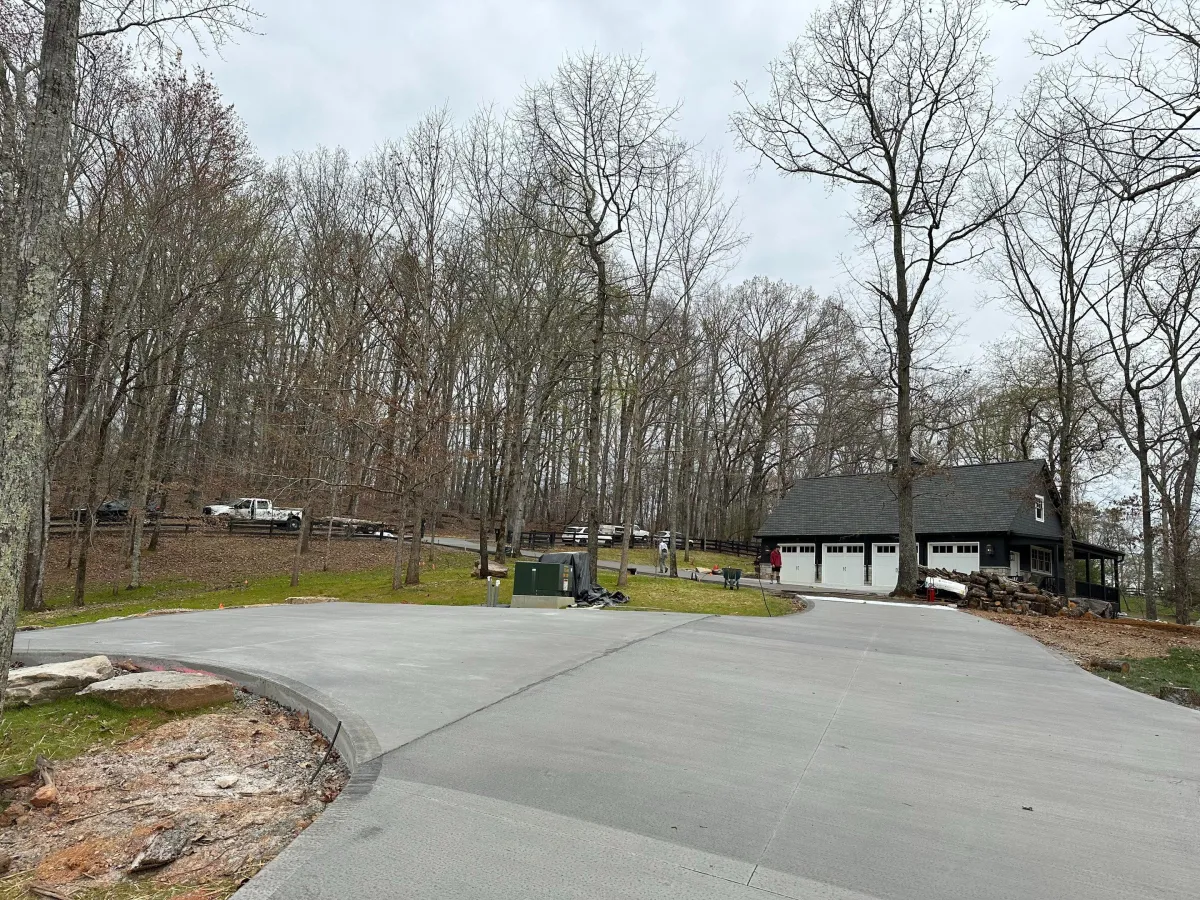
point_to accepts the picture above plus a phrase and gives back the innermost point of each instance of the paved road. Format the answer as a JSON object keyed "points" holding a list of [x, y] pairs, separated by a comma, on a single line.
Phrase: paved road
{"points": [[851, 752]]}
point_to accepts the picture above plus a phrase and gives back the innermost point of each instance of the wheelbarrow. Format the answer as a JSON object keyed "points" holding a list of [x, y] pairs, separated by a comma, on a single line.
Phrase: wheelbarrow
{"points": [[733, 578]]}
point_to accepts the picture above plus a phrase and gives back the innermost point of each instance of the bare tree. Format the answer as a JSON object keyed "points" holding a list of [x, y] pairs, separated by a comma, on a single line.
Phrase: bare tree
{"points": [[1139, 100], [892, 98], [1052, 270], [595, 137]]}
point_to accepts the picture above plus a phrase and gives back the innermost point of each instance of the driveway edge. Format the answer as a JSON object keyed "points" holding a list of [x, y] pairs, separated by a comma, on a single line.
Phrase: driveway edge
{"points": [[356, 743]]}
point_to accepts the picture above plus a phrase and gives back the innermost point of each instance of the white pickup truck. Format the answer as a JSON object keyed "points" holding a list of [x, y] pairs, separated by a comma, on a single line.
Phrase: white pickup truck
{"points": [[256, 509]]}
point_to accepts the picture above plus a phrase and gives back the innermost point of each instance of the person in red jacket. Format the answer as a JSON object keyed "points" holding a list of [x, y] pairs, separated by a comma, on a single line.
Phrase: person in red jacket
{"points": [[776, 564]]}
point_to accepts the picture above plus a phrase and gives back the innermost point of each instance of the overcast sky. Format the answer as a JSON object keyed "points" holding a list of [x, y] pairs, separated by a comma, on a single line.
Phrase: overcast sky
{"points": [[353, 73]]}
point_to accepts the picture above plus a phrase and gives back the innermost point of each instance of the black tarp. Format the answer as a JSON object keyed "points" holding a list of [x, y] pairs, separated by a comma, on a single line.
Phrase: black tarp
{"points": [[580, 579]]}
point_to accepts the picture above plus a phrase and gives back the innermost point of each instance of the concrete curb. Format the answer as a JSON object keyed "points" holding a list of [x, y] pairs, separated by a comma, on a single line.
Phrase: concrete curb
{"points": [[356, 743]]}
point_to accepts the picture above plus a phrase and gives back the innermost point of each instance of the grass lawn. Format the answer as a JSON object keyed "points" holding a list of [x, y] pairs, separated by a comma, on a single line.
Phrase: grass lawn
{"points": [[1135, 605], [1180, 668], [16, 887], [66, 728], [648, 556], [446, 580]]}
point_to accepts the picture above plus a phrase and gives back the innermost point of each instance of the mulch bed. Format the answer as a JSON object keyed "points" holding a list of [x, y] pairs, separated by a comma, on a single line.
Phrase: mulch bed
{"points": [[1085, 639]]}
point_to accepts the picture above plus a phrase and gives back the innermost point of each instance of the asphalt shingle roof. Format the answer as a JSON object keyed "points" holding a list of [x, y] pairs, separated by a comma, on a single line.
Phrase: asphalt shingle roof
{"points": [[995, 497]]}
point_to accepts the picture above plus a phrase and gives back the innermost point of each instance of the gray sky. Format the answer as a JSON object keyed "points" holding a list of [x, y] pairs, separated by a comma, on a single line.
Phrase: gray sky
{"points": [[356, 72]]}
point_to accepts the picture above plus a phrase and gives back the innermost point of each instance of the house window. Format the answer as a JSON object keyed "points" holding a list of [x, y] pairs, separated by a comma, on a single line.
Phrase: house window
{"points": [[1039, 507], [1041, 560]]}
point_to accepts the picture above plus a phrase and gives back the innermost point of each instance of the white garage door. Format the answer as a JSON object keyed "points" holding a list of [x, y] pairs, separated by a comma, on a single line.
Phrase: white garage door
{"points": [[885, 565], [799, 563], [842, 564], [956, 557]]}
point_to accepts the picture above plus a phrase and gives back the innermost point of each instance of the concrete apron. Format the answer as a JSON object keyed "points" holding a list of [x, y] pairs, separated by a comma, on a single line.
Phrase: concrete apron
{"points": [[858, 750]]}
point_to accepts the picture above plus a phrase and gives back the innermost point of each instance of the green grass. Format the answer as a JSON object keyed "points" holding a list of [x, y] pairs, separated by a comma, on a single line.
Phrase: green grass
{"points": [[1180, 668], [16, 887], [448, 582], [686, 596], [648, 556], [1135, 605], [66, 728]]}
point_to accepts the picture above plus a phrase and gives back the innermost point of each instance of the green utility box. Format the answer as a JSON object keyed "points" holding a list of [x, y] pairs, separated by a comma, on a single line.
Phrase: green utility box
{"points": [[540, 579], [541, 585]]}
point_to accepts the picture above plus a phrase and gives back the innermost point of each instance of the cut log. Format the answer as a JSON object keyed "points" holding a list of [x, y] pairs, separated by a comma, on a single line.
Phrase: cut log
{"points": [[1111, 665]]}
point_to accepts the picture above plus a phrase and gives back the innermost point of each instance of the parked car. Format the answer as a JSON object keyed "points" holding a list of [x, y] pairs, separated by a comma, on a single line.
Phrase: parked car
{"points": [[257, 509], [113, 511], [640, 535], [660, 536], [578, 536]]}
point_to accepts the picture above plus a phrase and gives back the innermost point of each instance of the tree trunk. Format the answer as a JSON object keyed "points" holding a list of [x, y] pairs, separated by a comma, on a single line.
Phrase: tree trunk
{"points": [[398, 559], [29, 292], [1147, 540], [906, 579], [35, 557], [592, 501], [413, 573], [305, 517]]}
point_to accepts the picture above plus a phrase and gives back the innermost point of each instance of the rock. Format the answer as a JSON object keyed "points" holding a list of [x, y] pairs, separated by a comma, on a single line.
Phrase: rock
{"points": [[14, 812], [162, 690], [224, 782], [46, 795], [165, 847], [41, 684], [5, 863], [495, 569], [1184, 696]]}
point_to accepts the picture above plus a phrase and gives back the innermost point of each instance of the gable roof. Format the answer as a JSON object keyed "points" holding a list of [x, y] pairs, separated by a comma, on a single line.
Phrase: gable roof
{"points": [[994, 497]]}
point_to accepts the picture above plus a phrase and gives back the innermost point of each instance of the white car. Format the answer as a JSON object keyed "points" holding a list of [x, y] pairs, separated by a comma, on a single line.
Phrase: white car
{"points": [[577, 535]]}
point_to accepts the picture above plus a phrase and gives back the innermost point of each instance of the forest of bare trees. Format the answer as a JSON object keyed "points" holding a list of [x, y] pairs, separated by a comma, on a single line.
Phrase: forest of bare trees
{"points": [[523, 318]]}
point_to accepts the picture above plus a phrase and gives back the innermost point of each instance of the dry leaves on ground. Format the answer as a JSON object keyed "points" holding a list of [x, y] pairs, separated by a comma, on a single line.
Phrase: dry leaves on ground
{"points": [[1086, 639]]}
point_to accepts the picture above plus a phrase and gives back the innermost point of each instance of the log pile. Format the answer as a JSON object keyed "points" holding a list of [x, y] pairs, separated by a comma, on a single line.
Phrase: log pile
{"points": [[1003, 593]]}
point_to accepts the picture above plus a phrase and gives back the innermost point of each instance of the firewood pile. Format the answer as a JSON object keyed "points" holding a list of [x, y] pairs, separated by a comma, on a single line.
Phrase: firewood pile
{"points": [[1003, 593]]}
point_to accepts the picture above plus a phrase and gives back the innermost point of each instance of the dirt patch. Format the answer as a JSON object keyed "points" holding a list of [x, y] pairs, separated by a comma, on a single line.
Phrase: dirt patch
{"points": [[232, 786], [1086, 639]]}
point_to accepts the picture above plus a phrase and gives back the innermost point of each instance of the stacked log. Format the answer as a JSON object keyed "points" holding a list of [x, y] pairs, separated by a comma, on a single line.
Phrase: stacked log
{"points": [[1003, 593]]}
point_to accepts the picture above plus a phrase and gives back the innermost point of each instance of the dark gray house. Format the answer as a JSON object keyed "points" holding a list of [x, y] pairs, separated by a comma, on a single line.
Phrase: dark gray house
{"points": [[842, 530]]}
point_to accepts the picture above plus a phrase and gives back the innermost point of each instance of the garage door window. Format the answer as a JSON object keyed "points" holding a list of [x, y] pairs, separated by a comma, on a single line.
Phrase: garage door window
{"points": [[941, 548], [886, 548], [966, 548], [788, 548]]}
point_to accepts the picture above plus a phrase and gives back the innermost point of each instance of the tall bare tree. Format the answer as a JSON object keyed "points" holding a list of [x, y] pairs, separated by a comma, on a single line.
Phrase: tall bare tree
{"points": [[894, 99], [595, 135]]}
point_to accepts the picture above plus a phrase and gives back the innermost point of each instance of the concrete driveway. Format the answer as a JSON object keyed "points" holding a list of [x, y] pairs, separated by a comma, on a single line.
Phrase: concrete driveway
{"points": [[854, 751]]}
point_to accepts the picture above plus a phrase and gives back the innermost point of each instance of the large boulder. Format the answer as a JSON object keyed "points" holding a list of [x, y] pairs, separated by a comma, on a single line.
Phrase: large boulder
{"points": [[162, 690], [41, 684]]}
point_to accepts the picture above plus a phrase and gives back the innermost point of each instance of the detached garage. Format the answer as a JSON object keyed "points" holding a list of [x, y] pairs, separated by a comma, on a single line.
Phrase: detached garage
{"points": [[842, 531]]}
